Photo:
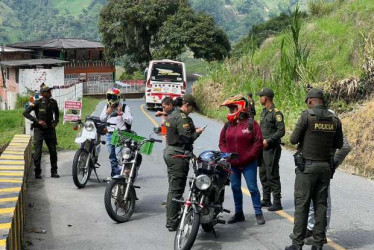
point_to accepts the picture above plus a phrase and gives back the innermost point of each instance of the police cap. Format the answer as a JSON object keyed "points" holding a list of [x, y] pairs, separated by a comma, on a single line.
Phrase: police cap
{"points": [[266, 92], [44, 88], [188, 98], [314, 93]]}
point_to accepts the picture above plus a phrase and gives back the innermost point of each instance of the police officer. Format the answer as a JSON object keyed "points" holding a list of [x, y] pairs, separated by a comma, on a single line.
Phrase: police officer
{"points": [[180, 136], [272, 128], [252, 110], [318, 134], [44, 124]]}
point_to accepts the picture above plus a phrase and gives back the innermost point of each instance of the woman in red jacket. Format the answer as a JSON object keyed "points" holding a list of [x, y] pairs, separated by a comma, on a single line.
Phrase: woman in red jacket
{"points": [[242, 134]]}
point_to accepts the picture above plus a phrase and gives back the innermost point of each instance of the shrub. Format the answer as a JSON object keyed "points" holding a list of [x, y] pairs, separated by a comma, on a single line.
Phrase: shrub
{"points": [[321, 7], [21, 101]]}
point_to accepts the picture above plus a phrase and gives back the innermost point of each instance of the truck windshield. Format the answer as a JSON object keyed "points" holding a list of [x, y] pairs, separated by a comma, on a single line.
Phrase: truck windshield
{"points": [[167, 72]]}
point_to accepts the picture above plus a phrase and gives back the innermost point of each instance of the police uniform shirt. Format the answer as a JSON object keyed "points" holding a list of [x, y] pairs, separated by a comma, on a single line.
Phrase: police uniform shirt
{"points": [[45, 110], [181, 130], [272, 125], [322, 129]]}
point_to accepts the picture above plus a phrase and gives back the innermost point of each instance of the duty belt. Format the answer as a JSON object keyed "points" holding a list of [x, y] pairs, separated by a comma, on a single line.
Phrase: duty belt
{"points": [[315, 161]]}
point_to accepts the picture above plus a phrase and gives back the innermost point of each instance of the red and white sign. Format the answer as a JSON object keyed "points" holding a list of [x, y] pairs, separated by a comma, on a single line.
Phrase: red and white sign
{"points": [[73, 105], [72, 111]]}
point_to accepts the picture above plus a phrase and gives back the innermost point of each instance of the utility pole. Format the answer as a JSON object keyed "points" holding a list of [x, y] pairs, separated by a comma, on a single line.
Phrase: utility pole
{"points": [[1, 66]]}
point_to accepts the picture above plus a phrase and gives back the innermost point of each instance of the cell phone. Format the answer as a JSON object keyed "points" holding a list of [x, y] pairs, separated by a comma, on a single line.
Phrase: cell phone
{"points": [[203, 127]]}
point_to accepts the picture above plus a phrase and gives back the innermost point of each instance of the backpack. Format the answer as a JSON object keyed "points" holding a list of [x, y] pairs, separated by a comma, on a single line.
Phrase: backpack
{"points": [[128, 126]]}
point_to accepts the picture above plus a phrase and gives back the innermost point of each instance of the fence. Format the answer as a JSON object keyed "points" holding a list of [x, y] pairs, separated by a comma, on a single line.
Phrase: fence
{"points": [[126, 87], [72, 91]]}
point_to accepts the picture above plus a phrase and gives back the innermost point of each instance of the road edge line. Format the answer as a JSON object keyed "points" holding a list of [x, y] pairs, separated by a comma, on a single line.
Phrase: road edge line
{"points": [[147, 115], [285, 215]]}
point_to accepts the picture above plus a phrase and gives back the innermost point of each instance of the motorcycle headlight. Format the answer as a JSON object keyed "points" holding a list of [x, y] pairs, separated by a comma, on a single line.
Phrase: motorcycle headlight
{"points": [[203, 182], [89, 126], [126, 154]]}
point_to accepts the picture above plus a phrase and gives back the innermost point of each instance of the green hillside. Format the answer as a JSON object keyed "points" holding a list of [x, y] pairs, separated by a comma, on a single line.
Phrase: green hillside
{"points": [[43, 19], [336, 52], [72, 7]]}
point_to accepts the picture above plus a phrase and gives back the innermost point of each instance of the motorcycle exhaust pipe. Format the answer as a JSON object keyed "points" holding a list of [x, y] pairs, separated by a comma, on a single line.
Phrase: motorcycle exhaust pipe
{"points": [[176, 200]]}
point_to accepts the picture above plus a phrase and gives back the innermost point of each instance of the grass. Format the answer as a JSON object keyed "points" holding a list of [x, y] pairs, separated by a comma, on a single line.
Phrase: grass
{"points": [[359, 129], [65, 133], [12, 122]]}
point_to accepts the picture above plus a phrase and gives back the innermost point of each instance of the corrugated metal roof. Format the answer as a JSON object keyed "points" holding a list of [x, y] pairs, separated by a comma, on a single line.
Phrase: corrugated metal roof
{"points": [[60, 43], [31, 62], [11, 50]]}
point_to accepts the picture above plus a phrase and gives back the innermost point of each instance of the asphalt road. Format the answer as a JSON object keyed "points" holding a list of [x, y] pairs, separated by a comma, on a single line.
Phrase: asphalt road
{"points": [[76, 218]]}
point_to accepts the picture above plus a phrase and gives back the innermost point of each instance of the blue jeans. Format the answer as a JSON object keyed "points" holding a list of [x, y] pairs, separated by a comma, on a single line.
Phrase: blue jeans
{"points": [[114, 156], [250, 176]]}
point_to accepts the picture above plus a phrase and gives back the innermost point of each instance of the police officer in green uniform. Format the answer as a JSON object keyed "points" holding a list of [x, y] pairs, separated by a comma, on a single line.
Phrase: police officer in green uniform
{"points": [[272, 128], [252, 110], [180, 136], [318, 134], [44, 124]]}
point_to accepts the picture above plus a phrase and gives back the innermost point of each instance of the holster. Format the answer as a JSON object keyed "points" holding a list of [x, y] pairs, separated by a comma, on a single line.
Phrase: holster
{"points": [[332, 166], [299, 161]]}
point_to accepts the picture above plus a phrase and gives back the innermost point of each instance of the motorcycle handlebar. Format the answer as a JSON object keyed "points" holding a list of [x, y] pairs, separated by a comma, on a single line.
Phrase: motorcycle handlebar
{"points": [[155, 140]]}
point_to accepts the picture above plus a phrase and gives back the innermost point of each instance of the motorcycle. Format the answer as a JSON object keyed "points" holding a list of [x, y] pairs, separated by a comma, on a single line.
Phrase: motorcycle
{"points": [[120, 195], [206, 195], [86, 157]]}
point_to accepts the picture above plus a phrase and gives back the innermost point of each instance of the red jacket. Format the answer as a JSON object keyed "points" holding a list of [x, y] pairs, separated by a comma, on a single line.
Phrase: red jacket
{"points": [[239, 139]]}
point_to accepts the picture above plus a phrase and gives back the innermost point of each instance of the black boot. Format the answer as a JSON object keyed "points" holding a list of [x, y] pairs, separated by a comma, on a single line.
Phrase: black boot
{"points": [[293, 247], [38, 173], [236, 218], [309, 239], [316, 248], [275, 207], [54, 174], [266, 203], [260, 219]]}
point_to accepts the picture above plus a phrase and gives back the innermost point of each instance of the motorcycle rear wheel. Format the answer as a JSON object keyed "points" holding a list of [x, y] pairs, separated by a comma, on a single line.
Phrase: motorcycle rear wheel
{"points": [[185, 238], [117, 208], [81, 173]]}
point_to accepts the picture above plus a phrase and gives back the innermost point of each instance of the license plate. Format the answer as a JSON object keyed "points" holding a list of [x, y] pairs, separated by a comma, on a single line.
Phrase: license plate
{"points": [[157, 89]]}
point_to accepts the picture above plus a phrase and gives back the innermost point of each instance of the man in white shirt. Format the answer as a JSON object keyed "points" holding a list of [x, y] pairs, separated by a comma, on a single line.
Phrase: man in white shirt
{"points": [[118, 113]]}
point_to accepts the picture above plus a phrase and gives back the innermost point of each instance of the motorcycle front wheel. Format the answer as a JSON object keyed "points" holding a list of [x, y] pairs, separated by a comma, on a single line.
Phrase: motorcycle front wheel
{"points": [[81, 171], [119, 209], [185, 237]]}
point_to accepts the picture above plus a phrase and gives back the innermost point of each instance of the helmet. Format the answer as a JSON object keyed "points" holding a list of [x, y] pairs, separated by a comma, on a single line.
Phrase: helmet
{"points": [[240, 102], [113, 96]]}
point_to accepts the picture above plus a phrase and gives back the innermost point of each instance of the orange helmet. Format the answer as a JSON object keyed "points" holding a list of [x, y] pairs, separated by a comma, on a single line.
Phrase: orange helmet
{"points": [[240, 102]]}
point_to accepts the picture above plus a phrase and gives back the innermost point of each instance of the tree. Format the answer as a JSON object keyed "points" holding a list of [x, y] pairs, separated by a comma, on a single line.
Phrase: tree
{"points": [[142, 30]]}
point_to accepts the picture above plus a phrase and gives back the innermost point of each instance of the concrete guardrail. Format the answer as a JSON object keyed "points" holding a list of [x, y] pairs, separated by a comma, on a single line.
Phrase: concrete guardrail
{"points": [[14, 163]]}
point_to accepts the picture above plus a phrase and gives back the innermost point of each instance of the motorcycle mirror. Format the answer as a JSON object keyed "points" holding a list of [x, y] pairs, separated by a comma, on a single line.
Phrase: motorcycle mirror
{"points": [[157, 130], [234, 156]]}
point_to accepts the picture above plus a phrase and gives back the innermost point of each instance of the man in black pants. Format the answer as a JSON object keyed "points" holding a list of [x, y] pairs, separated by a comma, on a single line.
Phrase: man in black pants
{"points": [[44, 124]]}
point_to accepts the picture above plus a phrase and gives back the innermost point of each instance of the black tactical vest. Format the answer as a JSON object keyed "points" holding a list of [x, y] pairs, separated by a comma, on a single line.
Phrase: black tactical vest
{"points": [[318, 142]]}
